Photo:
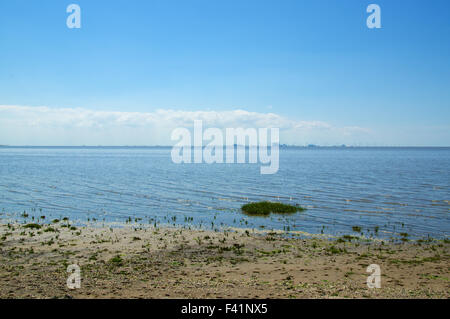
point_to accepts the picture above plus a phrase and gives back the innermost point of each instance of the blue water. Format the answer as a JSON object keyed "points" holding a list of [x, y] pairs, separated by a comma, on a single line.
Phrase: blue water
{"points": [[396, 189]]}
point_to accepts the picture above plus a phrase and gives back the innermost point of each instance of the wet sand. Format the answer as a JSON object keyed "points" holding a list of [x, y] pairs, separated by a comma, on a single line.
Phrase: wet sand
{"points": [[164, 262]]}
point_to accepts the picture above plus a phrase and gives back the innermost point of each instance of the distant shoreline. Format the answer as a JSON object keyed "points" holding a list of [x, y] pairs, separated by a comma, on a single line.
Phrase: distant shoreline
{"points": [[282, 146]]}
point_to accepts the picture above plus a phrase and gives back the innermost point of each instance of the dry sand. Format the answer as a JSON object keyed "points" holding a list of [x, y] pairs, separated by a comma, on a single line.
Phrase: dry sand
{"points": [[147, 262]]}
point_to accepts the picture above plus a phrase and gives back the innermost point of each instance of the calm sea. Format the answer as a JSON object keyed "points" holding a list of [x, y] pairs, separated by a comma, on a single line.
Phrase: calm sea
{"points": [[393, 189]]}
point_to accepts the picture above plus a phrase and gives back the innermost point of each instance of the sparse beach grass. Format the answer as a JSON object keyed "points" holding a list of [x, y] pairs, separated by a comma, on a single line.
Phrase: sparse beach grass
{"points": [[138, 261]]}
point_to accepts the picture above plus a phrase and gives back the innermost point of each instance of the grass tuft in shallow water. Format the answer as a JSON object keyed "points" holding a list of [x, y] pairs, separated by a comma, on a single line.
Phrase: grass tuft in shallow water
{"points": [[356, 229], [266, 208]]}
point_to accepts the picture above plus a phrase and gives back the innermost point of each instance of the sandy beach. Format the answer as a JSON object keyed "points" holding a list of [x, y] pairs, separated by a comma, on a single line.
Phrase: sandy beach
{"points": [[173, 262]]}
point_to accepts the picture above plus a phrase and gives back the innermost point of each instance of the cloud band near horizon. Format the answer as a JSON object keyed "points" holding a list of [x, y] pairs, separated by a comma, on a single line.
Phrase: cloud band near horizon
{"points": [[33, 125]]}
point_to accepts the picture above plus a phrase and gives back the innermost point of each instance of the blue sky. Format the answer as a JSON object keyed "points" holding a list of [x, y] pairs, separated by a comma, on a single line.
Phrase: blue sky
{"points": [[307, 62]]}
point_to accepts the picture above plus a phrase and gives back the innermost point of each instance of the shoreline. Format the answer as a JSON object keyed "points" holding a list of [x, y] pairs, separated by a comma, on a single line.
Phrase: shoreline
{"points": [[172, 262]]}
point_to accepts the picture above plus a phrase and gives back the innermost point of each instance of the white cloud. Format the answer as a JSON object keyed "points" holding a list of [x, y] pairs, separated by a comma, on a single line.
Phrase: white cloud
{"points": [[29, 125]]}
